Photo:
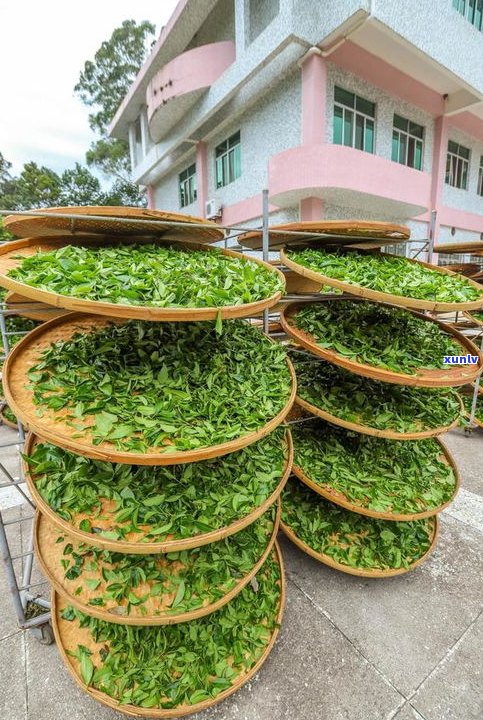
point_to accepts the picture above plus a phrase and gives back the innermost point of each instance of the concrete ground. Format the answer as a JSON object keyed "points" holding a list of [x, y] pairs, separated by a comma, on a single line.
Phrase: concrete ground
{"points": [[406, 648]]}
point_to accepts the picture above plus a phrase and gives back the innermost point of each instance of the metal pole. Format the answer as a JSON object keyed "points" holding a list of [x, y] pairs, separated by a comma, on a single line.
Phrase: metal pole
{"points": [[432, 230], [265, 246]]}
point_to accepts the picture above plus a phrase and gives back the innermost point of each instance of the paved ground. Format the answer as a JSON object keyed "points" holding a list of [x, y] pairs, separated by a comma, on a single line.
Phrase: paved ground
{"points": [[407, 648]]}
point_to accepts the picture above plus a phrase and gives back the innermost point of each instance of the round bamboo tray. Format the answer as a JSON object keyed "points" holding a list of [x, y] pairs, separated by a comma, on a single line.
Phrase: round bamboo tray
{"points": [[333, 232], [9, 260], [378, 296], [49, 554], [338, 498], [423, 377], [52, 428], [476, 420], [466, 269], [37, 226], [473, 319], [24, 307], [459, 247], [5, 420], [376, 432], [134, 546], [69, 635], [360, 572], [295, 283]]}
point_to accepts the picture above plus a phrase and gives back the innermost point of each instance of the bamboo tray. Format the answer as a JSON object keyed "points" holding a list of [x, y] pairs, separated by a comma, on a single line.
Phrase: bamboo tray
{"points": [[67, 634], [459, 247], [30, 246], [473, 319], [338, 498], [342, 232], [378, 296], [376, 432], [360, 572], [5, 420], [24, 307], [133, 545], [36, 226], [454, 375], [476, 420], [466, 269], [49, 554], [52, 428]]}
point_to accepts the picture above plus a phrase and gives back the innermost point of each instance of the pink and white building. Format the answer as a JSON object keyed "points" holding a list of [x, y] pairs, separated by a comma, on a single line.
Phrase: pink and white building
{"points": [[356, 108]]}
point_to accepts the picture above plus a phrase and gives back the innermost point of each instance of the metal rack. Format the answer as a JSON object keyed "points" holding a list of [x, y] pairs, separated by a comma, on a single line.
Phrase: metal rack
{"points": [[23, 591]]}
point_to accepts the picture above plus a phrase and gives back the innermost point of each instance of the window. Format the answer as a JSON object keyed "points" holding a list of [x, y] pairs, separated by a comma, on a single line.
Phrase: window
{"points": [[187, 186], [138, 141], [353, 121], [472, 10], [457, 162], [228, 160], [480, 177], [407, 142]]}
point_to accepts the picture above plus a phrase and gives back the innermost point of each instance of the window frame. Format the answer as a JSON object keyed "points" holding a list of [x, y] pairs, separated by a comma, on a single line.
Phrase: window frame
{"points": [[457, 165], [187, 186], [410, 136], [351, 115], [228, 160], [472, 11]]}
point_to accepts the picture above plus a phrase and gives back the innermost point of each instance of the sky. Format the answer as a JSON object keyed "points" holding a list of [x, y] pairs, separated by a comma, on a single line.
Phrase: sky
{"points": [[43, 47]]}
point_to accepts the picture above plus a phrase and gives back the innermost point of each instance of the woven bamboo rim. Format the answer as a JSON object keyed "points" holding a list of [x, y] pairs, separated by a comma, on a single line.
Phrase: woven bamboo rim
{"points": [[377, 295], [45, 547], [342, 232], [30, 246], [459, 247], [5, 420], [296, 283], [24, 307], [36, 226], [476, 420], [473, 319], [423, 377], [147, 548], [360, 572], [338, 498], [61, 628], [51, 428], [376, 432]]}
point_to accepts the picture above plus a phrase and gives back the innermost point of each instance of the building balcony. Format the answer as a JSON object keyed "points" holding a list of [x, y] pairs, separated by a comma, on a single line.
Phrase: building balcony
{"points": [[343, 176], [180, 83]]}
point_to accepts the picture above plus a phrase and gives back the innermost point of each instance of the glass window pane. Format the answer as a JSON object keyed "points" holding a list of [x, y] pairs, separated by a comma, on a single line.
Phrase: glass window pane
{"points": [[464, 174], [344, 97], [418, 155], [359, 137], [338, 129], [400, 123], [416, 130], [395, 146], [448, 169], [237, 160], [403, 141], [470, 10], [348, 127], [464, 152], [452, 147], [369, 136], [365, 106], [219, 172]]}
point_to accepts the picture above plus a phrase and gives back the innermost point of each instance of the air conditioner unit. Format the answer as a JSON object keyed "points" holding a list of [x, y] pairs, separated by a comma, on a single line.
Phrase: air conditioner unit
{"points": [[213, 209]]}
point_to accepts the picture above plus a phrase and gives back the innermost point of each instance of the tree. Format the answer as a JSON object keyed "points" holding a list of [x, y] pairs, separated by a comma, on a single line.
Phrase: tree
{"points": [[36, 187], [80, 187], [102, 85]]}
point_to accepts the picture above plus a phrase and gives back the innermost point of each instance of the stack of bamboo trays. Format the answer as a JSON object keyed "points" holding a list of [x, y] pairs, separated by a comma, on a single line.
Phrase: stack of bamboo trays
{"points": [[84, 559], [315, 497]]}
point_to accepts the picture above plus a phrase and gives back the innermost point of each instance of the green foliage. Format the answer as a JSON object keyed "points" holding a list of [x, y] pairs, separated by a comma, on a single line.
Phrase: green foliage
{"points": [[186, 663], [111, 156], [375, 404], [36, 187], [384, 337], [104, 81], [179, 581], [468, 402], [352, 539], [387, 476], [388, 274], [155, 275], [179, 386], [154, 503]]}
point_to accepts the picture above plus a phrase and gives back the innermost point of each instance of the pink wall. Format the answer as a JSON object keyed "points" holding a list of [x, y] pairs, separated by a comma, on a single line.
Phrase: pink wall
{"points": [[192, 70], [314, 99], [202, 176], [150, 197]]}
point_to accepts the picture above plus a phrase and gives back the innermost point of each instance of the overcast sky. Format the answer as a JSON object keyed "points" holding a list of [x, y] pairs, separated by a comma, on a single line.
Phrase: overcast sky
{"points": [[43, 47]]}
